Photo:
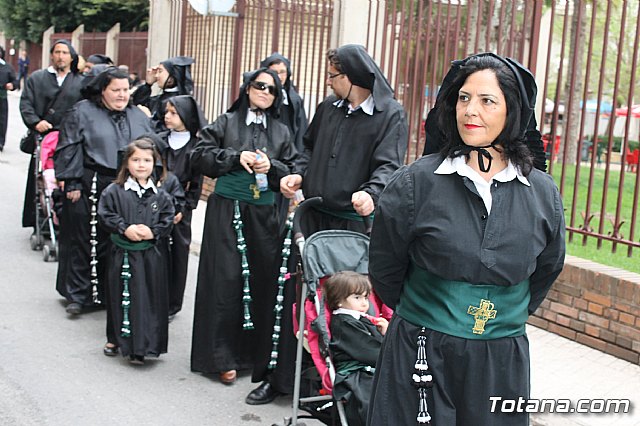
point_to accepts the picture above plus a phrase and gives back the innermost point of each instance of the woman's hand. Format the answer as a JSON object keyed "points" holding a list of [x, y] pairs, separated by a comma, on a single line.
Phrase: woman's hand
{"points": [[290, 184], [262, 164], [177, 218], [247, 158], [382, 325], [362, 203], [74, 196]]}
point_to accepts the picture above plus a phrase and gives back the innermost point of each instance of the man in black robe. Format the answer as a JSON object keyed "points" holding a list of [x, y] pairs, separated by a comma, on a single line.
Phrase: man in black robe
{"points": [[47, 96], [357, 139], [8, 81]]}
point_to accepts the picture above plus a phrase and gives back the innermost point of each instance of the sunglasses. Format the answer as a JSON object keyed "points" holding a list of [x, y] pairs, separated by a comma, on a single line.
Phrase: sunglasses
{"points": [[261, 86]]}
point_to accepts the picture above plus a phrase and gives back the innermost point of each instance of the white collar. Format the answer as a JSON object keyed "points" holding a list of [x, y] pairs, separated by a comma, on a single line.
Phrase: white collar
{"points": [[179, 139], [132, 185], [285, 97], [170, 89], [355, 314], [459, 165], [54, 72], [2, 61], [367, 106], [252, 117]]}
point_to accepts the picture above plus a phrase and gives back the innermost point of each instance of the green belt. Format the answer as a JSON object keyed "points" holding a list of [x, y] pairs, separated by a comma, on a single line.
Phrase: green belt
{"points": [[349, 367], [241, 185], [343, 214], [462, 309], [125, 244]]}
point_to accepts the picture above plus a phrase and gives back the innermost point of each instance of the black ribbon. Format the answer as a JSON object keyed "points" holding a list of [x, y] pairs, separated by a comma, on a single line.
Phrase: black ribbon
{"points": [[482, 154]]}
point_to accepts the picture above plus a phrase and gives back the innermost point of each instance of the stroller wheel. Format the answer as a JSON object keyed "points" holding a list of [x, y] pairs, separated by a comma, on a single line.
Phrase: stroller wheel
{"points": [[46, 253], [36, 242]]}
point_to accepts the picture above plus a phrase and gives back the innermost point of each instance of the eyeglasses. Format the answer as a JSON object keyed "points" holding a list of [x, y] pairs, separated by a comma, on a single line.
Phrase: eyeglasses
{"points": [[332, 76], [262, 86]]}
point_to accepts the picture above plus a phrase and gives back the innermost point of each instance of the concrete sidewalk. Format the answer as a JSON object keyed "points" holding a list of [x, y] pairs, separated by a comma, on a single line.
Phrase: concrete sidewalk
{"points": [[560, 369]]}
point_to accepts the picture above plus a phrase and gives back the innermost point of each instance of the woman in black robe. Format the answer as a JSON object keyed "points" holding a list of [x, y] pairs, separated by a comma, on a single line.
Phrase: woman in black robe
{"points": [[86, 162], [465, 246], [139, 217], [234, 317]]}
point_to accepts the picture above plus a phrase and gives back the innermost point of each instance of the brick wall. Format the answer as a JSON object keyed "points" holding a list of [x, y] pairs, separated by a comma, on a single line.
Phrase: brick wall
{"points": [[595, 305]]}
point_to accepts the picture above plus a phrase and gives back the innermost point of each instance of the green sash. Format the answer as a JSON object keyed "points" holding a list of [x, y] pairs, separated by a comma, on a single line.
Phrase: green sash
{"points": [[125, 244], [457, 308], [241, 185]]}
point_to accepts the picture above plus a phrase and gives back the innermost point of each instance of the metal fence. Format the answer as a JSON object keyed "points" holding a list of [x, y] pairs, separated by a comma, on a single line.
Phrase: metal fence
{"points": [[583, 53]]}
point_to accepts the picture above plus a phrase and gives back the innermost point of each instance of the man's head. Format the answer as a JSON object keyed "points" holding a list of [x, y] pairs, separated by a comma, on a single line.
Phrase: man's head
{"points": [[336, 78], [63, 57]]}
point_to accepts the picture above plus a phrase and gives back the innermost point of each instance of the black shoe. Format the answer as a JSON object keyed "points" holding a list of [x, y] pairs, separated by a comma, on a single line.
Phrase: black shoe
{"points": [[110, 350], [263, 394], [136, 359], [74, 308]]}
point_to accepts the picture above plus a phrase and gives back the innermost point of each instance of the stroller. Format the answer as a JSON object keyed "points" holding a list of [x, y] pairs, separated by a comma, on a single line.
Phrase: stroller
{"points": [[323, 254], [45, 238]]}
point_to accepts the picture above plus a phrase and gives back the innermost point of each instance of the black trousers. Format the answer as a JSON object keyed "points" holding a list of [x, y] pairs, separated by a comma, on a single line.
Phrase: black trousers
{"points": [[4, 116]]}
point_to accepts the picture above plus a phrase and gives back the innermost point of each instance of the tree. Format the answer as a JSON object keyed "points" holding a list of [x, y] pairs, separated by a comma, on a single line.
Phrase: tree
{"points": [[28, 19]]}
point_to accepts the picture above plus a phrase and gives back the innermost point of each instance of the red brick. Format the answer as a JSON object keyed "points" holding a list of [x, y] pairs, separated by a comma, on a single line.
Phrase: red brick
{"points": [[633, 310], [625, 331], [549, 315], [562, 331], [580, 304], [624, 342], [565, 299], [545, 304], [608, 336], [623, 353], [591, 341], [594, 319], [587, 278], [567, 288], [597, 298], [611, 313], [627, 318], [594, 308], [563, 321], [538, 322], [552, 295], [577, 325], [592, 330], [638, 322], [624, 291], [564, 310]]}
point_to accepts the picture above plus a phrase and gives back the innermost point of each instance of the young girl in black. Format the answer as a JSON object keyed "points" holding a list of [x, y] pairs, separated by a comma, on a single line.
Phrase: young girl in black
{"points": [[139, 217]]}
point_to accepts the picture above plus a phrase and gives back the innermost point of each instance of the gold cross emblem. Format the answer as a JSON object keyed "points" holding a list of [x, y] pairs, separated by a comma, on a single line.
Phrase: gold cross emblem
{"points": [[482, 314], [256, 191]]}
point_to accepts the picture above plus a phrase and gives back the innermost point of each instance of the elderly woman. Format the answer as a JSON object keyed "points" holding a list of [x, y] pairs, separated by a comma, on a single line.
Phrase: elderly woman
{"points": [[241, 245], [85, 161], [465, 246]]}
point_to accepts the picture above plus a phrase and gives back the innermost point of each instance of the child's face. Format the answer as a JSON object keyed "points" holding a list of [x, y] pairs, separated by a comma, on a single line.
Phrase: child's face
{"points": [[172, 119], [140, 164], [356, 302]]}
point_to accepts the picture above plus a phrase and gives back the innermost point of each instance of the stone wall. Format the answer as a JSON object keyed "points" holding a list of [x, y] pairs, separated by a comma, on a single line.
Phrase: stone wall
{"points": [[595, 305]]}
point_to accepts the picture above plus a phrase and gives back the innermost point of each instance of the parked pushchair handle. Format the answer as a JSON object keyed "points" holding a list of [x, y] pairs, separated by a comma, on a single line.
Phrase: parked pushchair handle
{"points": [[302, 208]]}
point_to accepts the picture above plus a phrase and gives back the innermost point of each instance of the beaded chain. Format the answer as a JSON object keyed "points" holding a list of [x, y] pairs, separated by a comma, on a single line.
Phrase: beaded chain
{"points": [[93, 241], [422, 378], [125, 330], [242, 249], [282, 278]]}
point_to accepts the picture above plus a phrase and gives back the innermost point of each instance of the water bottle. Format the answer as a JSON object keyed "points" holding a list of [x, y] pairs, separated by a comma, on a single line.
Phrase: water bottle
{"points": [[261, 179]]}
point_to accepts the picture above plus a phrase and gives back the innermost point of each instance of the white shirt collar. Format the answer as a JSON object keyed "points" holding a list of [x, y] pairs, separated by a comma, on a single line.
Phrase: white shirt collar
{"points": [[355, 314], [54, 72], [132, 185], [179, 139], [252, 117], [460, 166], [2, 61], [367, 106], [170, 89], [285, 97]]}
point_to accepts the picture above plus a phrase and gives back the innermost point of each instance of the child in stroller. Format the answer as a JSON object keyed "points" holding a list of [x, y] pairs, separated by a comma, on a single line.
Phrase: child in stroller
{"points": [[356, 338], [47, 149]]}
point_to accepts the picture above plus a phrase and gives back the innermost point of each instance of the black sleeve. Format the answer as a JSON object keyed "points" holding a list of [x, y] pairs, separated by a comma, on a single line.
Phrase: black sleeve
{"points": [[283, 164], [209, 157], [391, 236], [68, 158], [28, 103], [142, 95], [356, 341], [108, 211], [167, 213]]}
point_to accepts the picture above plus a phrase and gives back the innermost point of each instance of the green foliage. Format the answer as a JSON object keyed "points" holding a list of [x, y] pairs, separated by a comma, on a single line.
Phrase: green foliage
{"points": [[28, 19], [587, 249]]}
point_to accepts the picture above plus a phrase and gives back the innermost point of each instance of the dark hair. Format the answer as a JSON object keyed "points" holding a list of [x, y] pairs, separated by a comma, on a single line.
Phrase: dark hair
{"points": [[146, 144], [512, 144], [343, 284], [96, 85], [334, 59]]}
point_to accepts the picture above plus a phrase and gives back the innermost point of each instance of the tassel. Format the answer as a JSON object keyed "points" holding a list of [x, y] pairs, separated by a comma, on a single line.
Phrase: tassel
{"points": [[282, 278], [247, 324], [422, 379], [93, 197], [125, 330]]}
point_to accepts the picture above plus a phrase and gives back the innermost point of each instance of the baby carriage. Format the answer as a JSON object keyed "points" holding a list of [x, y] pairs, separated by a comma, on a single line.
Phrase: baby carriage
{"points": [[323, 254], [44, 238]]}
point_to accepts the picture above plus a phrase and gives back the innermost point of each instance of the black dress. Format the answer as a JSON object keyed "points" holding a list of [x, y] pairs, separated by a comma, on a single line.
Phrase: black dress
{"points": [[148, 314], [90, 139], [355, 346], [219, 342]]}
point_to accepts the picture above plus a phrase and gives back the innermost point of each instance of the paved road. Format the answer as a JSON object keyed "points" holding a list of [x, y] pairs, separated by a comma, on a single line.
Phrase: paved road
{"points": [[52, 370]]}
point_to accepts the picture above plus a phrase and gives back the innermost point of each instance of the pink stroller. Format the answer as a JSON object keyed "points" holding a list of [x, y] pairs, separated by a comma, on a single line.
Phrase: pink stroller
{"points": [[323, 254]]}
